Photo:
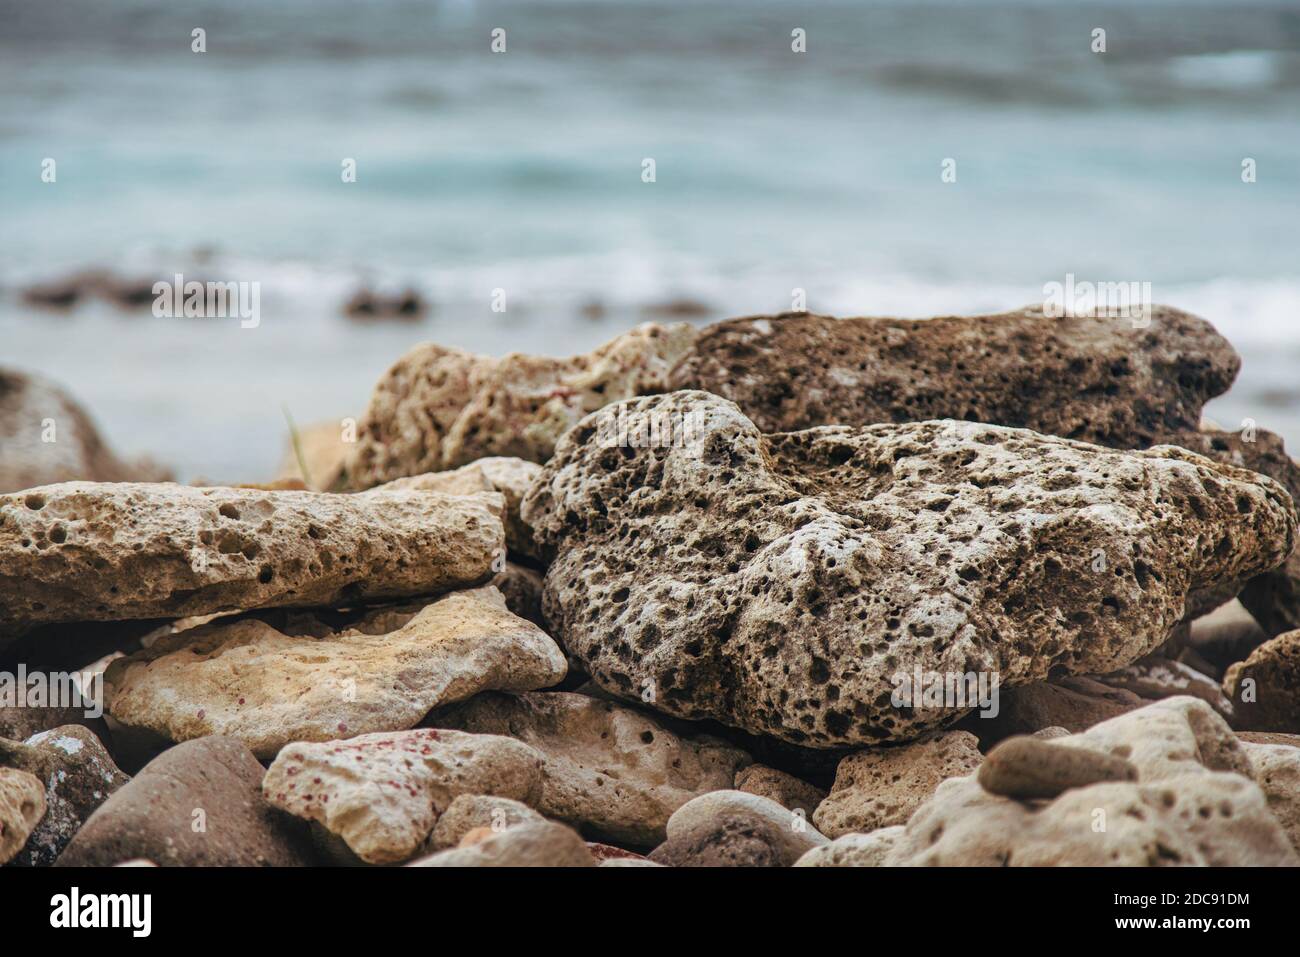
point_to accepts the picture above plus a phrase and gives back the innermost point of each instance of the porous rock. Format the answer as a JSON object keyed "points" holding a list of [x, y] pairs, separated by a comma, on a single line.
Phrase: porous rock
{"points": [[311, 681], [735, 829], [470, 811], [438, 408], [1154, 677], [534, 844], [1276, 769], [775, 785], [783, 583], [881, 787], [611, 770], [103, 551], [22, 805], [1265, 688], [854, 850], [383, 793]]}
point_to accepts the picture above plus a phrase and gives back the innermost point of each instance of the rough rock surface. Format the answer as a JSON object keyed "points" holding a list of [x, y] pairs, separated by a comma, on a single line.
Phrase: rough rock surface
{"points": [[99, 551], [782, 583], [522, 589], [1265, 688], [1075, 703], [22, 805], [536, 844], [854, 850], [30, 407], [735, 829], [19, 724], [611, 770], [1194, 803], [785, 789], [439, 408], [1095, 379], [311, 682], [78, 775], [197, 804], [1225, 636], [881, 787], [383, 793], [1032, 768], [1277, 771], [470, 811], [1154, 678]]}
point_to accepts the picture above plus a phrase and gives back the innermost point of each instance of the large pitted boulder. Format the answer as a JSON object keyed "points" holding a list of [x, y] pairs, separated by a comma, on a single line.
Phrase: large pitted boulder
{"points": [[78, 775], [439, 408], [47, 438], [612, 771], [312, 681], [1098, 379], [1265, 688], [22, 805], [383, 793], [1194, 802], [792, 584], [101, 551]]}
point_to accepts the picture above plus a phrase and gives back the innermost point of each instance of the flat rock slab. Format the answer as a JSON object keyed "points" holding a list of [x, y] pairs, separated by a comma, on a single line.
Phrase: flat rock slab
{"points": [[613, 771], [791, 584], [1265, 688], [313, 681], [383, 793], [84, 551], [198, 804], [439, 408], [78, 774], [22, 805]]}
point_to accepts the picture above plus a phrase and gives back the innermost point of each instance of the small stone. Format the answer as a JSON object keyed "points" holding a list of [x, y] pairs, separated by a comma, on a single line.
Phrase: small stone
{"points": [[785, 789], [310, 682], [198, 804], [610, 770], [1028, 768], [105, 551], [1276, 769], [735, 829], [79, 776], [881, 787], [22, 805], [534, 844], [854, 850], [383, 793], [1265, 688], [470, 811]]}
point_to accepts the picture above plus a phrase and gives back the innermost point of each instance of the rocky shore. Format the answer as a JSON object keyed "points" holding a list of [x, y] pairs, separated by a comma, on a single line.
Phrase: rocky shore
{"points": [[780, 591]]}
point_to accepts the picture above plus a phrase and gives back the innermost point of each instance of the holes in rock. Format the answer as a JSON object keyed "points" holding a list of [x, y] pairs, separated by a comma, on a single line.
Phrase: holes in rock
{"points": [[228, 510], [35, 502]]}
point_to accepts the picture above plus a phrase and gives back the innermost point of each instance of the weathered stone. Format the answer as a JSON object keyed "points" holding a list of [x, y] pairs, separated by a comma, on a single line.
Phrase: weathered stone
{"points": [[1265, 688], [1269, 737], [1029, 768], [854, 850], [383, 793], [22, 805], [1095, 379], [78, 775], [522, 589], [100, 551], [1075, 703], [735, 829], [439, 408], [611, 770], [470, 811], [785, 789], [1194, 803], [30, 407], [535, 844], [1277, 771], [881, 787], [1225, 636], [783, 583], [607, 855], [19, 724], [310, 681], [1153, 678], [197, 804]]}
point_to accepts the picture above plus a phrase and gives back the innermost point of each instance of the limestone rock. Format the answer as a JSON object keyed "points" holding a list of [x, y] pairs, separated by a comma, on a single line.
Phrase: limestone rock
{"points": [[470, 811], [1194, 803], [854, 850], [1277, 771], [785, 789], [310, 681], [29, 407], [735, 829], [1265, 688], [612, 771], [153, 816], [78, 775], [97, 551], [439, 408], [535, 844], [383, 793], [881, 787], [1095, 379], [1029, 768], [22, 805], [787, 584]]}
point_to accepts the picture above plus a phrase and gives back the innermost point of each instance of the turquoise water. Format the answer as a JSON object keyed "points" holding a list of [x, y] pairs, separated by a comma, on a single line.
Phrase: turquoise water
{"points": [[522, 171]]}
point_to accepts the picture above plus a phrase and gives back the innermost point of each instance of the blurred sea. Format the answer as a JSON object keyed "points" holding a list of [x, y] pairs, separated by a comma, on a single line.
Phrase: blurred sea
{"points": [[522, 171]]}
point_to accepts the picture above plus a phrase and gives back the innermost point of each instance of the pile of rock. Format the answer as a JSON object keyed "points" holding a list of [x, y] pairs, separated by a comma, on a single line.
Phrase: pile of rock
{"points": [[782, 591]]}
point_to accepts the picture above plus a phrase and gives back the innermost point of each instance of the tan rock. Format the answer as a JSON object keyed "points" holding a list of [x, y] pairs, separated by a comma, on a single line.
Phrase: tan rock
{"points": [[535, 844], [97, 551], [1276, 769], [383, 793], [854, 850], [881, 787], [522, 589], [22, 805], [1074, 703], [323, 447], [470, 812], [612, 771], [1154, 677], [1265, 688], [310, 681], [1029, 768], [736, 829], [785, 789]]}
